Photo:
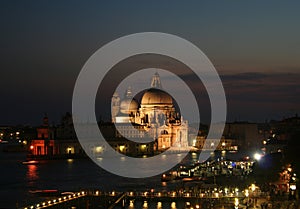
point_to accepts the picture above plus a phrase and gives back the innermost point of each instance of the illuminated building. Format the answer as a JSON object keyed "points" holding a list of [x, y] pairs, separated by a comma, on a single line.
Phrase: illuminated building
{"points": [[155, 117], [215, 144], [44, 144]]}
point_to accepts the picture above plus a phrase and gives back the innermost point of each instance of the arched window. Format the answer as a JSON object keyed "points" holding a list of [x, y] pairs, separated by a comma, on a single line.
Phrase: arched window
{"points": [[164, 132]]}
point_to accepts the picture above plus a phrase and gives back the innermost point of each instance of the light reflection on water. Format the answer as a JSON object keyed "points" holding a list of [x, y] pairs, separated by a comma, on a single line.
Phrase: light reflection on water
{"points": [[67, 175], [32, 174]]}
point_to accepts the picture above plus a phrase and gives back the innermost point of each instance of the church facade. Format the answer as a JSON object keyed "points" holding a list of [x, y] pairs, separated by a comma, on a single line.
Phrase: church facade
{"points": [[154, 117]]}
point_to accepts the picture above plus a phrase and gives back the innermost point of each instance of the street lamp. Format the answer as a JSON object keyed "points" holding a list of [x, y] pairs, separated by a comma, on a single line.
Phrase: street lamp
{"points": [[247, 196], [293, 190], [257, 156], [236, 203], [247, 193], [293, 187], [253, 187]]}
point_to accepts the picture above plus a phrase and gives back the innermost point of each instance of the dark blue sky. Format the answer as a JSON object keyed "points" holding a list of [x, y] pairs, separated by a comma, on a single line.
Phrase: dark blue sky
{"points": [[254, 45]]}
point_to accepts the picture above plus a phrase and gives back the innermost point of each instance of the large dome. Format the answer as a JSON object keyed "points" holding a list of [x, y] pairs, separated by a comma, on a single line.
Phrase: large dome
{"points": [[129, 105], [155, 96]]}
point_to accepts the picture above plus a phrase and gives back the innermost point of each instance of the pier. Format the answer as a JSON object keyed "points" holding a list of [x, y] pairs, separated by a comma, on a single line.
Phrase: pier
{"points": [[90, 199]]}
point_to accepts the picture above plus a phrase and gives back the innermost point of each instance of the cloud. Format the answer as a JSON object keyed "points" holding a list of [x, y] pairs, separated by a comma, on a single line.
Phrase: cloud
{"points": [[257, 94]]}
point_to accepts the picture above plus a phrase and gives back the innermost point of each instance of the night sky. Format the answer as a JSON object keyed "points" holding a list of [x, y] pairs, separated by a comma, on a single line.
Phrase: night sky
{"points": [[254, 45]]}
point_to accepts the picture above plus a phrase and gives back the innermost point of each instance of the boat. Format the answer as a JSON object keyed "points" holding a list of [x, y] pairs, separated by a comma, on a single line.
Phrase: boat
{"points": [[30, 162], [45, 192]]}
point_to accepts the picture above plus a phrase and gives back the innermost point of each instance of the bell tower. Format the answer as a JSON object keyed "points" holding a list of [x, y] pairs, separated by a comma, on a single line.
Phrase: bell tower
{"points": [[115, 106], [155, 82]]}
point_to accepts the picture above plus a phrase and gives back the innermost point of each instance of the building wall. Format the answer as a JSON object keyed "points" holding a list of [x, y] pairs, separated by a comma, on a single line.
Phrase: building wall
{"points": [[43, 147], [209, 144], [245, 133]]}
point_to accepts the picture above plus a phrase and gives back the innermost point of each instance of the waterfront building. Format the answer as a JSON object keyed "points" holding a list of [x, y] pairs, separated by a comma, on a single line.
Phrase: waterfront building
{"points": [[154, 117], [44, 144], [246, 134], [138, 128], [225, 144], [50, 144]]}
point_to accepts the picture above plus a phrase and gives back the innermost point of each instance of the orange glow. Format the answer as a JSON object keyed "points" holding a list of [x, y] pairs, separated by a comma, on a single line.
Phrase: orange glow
{"points": [[32, 174], [31, 147]]}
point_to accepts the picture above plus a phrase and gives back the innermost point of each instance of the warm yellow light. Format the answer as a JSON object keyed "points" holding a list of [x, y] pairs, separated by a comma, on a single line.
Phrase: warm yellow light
{"points": [[293, 187], [253, 187], [131, 204], [236, 202], [246, 192], [159, 205], [97, 192], [289, 169], [122, 147], [99, 149], [70, 150], [173, 205], [223, 144]]}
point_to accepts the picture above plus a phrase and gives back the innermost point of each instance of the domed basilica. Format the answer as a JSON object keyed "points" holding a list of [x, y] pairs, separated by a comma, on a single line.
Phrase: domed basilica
{"points": [[154, 116]]}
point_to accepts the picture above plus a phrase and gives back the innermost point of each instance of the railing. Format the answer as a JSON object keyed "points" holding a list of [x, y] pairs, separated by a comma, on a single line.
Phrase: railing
{"points": [[221, 194]]}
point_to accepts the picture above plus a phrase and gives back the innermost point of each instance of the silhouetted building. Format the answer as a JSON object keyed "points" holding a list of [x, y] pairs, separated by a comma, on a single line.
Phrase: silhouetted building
{"points": [[246, 134]]}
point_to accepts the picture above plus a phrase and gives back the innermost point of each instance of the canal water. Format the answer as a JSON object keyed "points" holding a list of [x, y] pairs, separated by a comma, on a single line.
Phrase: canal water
{"points": [[18, 181]]}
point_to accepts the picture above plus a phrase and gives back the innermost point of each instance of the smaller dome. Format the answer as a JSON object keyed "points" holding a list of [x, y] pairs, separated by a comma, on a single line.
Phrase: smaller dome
{"points": [[155, 96], [128, 105]]}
